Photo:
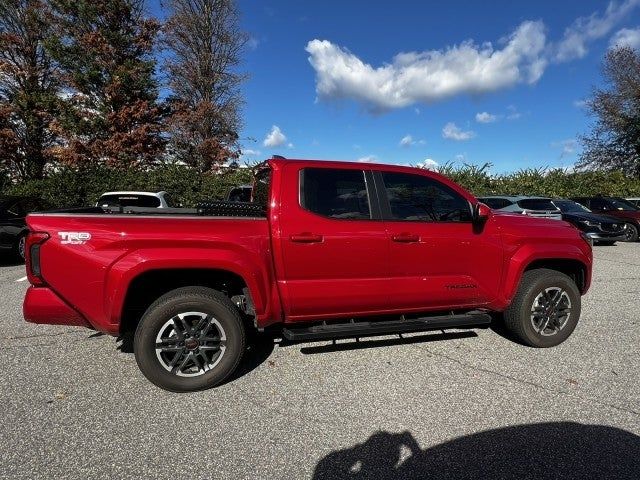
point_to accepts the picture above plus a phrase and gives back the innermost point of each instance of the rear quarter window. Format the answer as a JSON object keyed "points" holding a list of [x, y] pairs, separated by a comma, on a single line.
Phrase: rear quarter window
{"points": [[339, 194]]}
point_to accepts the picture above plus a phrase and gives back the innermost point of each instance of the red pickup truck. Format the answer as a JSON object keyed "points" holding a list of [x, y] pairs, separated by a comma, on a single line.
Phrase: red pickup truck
{"points": [[325, 250]]}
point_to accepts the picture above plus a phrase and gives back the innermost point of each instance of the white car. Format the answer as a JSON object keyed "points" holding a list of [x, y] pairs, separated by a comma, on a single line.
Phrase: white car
{"points": [[135, 199]]}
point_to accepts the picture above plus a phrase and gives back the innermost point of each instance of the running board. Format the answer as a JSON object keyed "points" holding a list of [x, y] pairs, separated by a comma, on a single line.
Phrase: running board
{"points": [[387, 327]]}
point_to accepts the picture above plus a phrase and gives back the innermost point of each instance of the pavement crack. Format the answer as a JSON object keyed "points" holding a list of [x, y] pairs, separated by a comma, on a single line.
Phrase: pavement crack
{"points": [[569, 393]]}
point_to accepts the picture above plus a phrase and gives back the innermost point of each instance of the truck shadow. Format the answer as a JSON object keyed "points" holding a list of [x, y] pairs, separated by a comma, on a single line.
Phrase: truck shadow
{"points": [[7, 260], [560, 450]]}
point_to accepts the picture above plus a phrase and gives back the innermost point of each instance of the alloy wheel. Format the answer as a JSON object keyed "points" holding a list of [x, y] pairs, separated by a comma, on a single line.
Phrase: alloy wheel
{"points": [[550, 311], [190, 344]]}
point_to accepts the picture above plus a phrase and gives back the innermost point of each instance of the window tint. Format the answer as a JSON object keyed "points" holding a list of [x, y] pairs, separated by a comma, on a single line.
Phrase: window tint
{"points": [[600, 204], [418, 198], [335, 193], [536, 204], [129, 201], [496, 203]]}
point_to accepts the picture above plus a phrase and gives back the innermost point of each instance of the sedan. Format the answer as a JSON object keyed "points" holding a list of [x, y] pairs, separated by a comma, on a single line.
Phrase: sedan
{"points": [[600, 228]]}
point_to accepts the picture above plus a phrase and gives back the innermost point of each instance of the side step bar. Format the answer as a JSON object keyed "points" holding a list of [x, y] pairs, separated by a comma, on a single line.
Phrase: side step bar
{"points": [[386, 327]]}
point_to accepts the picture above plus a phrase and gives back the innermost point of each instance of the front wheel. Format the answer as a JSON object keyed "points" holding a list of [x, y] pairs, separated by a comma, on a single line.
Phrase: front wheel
{"points": [[545, 310], [189, 339]]}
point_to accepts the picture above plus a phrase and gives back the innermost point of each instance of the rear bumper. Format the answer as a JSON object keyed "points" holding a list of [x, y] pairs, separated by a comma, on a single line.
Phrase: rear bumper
{"points": [[42, 305]]}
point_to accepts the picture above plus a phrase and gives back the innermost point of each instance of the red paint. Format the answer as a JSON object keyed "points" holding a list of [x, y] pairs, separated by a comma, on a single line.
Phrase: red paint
{"points": [[298, 266]]}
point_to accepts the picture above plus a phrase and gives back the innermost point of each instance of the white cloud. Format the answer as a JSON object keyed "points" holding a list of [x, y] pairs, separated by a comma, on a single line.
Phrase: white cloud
{"points": [[430, 75], [275, 138], [452, 132], [568, 146], [465, 68], [586, 29], [407, 141], [627, 37], [368, 159], [247, 152], [485, 117], [513, 114], [428, 163], [580, 103], [290, 145]]}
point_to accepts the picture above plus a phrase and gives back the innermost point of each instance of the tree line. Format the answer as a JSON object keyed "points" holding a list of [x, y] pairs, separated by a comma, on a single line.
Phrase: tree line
{"points": [[86, 84]]}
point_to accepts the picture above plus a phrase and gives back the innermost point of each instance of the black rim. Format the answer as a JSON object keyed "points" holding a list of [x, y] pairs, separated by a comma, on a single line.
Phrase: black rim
{"points": [[22, 242], [190, 344], [630, 233]]}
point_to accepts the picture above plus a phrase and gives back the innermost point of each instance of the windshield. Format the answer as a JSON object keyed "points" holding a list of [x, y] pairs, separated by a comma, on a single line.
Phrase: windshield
{"points": [[622, 204], [567, 206]]}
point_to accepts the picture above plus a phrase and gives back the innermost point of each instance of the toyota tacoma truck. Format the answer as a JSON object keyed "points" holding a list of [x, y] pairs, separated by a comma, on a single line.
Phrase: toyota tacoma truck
{"points": [[324, 250]]}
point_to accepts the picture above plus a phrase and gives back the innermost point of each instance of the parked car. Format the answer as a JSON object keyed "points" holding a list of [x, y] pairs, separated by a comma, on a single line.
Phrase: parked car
{"points": [[134, 199], [600, 228], [635, 201], [616, 207], [241, 193], [532, 206], [335, 250], [13, 228]]}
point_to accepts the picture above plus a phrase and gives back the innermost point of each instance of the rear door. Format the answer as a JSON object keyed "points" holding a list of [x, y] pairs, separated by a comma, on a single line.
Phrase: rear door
{"points": [[437, 258], [333, 245]]}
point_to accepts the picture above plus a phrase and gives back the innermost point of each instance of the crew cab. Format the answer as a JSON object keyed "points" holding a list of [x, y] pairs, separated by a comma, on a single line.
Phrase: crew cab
{"points": [[324, 250]]}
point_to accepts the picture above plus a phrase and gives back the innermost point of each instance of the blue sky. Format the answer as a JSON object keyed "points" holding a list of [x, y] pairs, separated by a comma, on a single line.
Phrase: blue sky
{"points": [[463, 82]]}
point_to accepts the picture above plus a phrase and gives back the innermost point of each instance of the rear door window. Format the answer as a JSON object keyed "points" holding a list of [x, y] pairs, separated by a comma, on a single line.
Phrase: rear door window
{"points": [[335, 193]]}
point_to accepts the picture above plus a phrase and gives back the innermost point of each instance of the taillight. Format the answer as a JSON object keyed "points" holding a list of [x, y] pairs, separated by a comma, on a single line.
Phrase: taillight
{"points": [[32, 256]]}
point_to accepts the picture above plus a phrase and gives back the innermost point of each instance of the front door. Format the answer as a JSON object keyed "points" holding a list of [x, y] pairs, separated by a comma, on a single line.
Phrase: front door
{"points": [[437, 258], [333, 248]]}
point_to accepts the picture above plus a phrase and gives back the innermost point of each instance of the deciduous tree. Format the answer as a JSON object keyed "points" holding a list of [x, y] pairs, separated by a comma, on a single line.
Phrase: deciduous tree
{"points": [[28, 89], [614, 143], [204, 43]]}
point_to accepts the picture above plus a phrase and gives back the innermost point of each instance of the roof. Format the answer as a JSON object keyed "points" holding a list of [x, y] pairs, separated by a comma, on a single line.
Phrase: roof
{"points": [[151, 194], [515, 198]]}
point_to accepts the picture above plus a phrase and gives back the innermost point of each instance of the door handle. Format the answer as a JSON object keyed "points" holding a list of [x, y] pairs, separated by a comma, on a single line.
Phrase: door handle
{"points": [[306, 238], [406, 238]]}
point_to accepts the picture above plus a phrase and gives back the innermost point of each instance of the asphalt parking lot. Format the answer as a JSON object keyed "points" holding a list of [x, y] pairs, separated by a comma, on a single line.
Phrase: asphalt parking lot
{"points": [[456, 405]]}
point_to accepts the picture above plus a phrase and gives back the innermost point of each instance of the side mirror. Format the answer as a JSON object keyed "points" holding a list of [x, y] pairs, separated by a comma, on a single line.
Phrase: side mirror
{"points": [[481, 213]]}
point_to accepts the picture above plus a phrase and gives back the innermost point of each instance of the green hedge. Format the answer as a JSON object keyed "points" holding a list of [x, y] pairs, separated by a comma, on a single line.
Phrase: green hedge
{"points": [[543, 182], [67, 187]]}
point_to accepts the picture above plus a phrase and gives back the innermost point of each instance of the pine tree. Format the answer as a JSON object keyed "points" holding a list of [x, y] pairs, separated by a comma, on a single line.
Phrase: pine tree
{"points": [[28, 90], [203, 43], [104, 52]]}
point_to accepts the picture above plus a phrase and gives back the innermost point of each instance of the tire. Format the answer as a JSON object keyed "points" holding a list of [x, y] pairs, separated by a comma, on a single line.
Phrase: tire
{"points": [[631, 234], [173, 321], [605, 243], [538, 287], [19, 247]]}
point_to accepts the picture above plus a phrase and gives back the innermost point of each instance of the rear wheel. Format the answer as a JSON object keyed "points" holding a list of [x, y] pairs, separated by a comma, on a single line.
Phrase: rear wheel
{"points": [[190, 339], [545, 310], [631, 233]]}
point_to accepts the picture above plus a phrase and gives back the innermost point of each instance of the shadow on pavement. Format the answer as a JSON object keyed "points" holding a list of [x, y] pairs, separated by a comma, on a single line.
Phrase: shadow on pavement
{"points": [[568, 451], [7, 260]]}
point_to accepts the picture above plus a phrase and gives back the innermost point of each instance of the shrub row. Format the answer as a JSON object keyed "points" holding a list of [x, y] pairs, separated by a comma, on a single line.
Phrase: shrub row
{"points": [[67, 187]]}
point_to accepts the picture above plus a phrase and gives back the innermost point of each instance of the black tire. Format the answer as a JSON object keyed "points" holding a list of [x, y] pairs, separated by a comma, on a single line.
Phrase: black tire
{"points": [[226, 323], [631, 234], [19, 246], [518, 317], [604, 243]]}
